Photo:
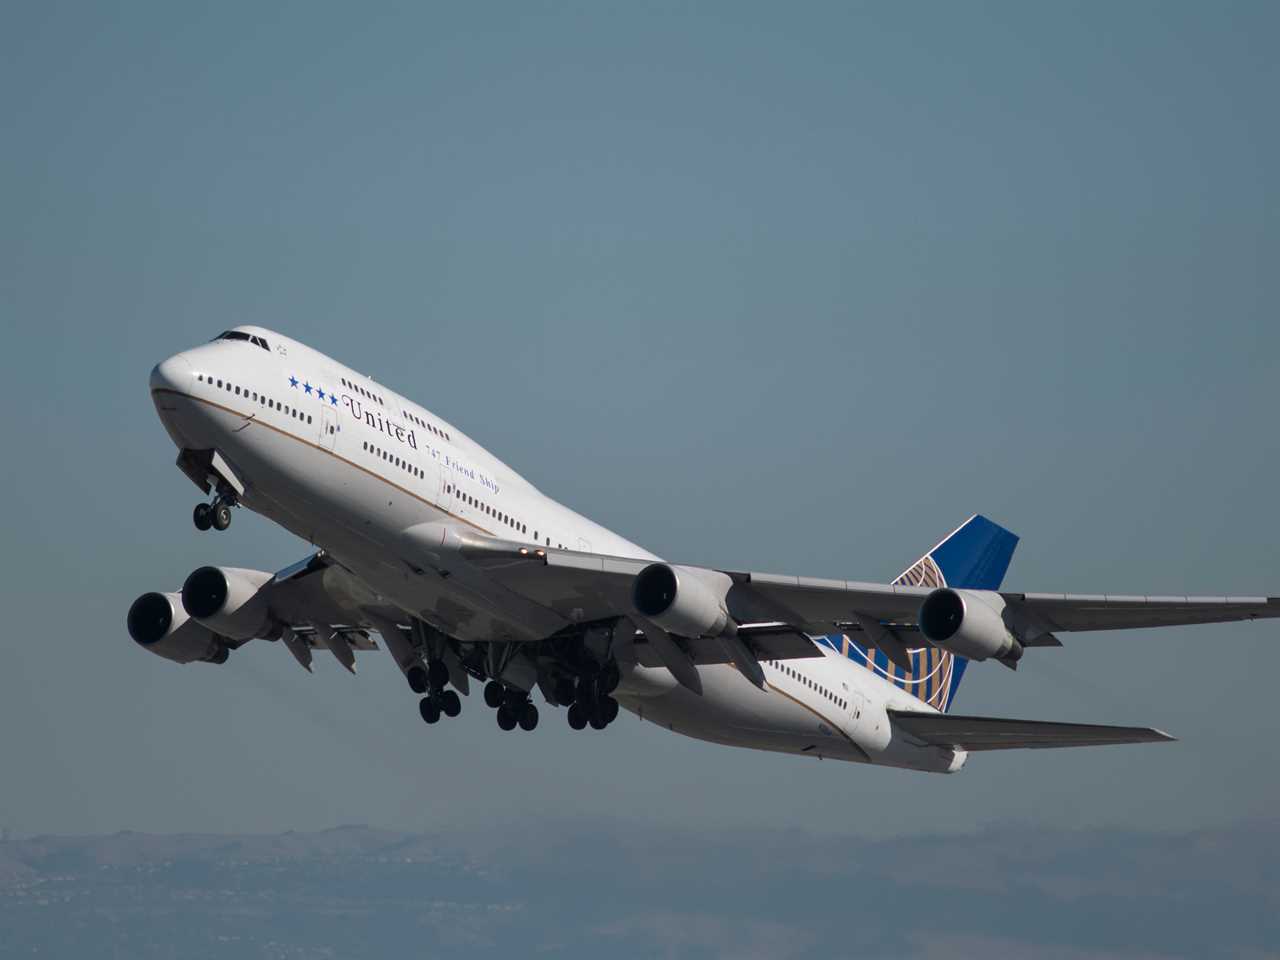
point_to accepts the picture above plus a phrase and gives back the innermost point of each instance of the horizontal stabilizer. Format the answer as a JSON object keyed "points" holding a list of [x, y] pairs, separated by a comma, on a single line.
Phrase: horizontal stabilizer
{"points": [[997, 733]]}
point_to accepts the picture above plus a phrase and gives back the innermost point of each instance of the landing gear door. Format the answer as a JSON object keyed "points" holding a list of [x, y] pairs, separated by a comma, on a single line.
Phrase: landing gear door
{"points": [[328, 427]]}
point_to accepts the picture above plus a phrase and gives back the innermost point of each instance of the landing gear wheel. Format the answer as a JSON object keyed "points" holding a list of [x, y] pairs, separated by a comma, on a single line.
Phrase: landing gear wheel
{"points": [[221, 517], [494, 694], [577, 716], [450, 703], [598, 721], [528, 717], [437, 673], [202, 516], [506, 719], [417, 678], [430, 712], [609, 710]]}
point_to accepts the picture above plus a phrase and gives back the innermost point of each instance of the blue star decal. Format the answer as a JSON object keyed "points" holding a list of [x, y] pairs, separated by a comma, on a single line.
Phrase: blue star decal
{"points": [[293, 381], [333, 401], [320, 393], [307, 387]]}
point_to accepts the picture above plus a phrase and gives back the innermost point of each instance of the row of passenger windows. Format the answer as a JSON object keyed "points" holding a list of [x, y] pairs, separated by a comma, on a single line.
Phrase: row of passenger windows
{"points": [[812, 685], [412, 418], [484, 508], [241, 335], [255, 397], [367, 394], [505, 518], [391, 458]]}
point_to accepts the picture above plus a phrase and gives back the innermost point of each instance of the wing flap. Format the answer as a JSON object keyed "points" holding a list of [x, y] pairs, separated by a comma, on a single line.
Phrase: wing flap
{"points": [[999, 733], [768, 641]]}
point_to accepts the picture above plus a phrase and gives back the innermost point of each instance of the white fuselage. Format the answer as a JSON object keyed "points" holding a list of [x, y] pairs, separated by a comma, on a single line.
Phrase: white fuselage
{"points": [[350, 465]]}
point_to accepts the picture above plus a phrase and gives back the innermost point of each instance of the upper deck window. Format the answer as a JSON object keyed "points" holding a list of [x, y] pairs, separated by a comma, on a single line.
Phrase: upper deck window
{"points": [[241, 335]]}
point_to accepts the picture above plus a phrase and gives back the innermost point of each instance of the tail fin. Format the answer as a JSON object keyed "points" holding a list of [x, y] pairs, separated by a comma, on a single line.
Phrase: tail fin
{"points": [[975, 555]]}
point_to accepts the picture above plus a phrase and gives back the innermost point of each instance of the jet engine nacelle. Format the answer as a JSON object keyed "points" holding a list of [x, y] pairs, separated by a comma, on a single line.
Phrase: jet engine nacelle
{"points": [[969, 624], [679, 601], [158, 623], [229, 601]]}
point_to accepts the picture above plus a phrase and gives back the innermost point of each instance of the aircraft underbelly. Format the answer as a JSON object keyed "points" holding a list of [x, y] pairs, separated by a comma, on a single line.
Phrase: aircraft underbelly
{"points": [[733, 711]]}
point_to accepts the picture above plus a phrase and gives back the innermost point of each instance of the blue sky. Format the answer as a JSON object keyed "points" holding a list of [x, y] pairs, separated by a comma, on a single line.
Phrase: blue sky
{"points": [[781, 288]]}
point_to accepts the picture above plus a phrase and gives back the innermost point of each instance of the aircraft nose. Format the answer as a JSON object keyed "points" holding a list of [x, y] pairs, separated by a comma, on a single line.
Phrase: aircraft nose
{"points": [[172, 374]]}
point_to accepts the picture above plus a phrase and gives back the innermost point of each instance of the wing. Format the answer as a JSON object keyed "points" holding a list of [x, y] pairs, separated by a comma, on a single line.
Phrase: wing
{"points": [[583, 586], [996, 733], [310, 605]]}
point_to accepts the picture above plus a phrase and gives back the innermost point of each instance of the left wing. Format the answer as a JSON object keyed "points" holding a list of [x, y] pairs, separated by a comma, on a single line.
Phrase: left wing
{"points": [[997, 733]]}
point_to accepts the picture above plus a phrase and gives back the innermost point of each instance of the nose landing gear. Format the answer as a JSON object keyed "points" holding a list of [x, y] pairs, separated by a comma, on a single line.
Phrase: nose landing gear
{"points": [[216, 515]]}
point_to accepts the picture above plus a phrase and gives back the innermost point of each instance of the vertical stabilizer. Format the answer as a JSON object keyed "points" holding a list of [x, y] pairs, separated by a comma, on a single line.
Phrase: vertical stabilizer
{"points": [[974, 556]]}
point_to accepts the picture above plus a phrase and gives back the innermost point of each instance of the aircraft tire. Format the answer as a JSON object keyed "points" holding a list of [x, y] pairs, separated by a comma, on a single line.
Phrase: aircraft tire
{"points": [[202, 516], [577, 716], [450, 703], [417, 678], [598, 715], [221, 517], [430, 712], [529, 717], [494, 694], [609, 709], [506, 719]]}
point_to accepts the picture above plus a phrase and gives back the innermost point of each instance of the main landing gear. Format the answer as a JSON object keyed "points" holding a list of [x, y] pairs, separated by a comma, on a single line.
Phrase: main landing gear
{"points": [[216, 515], [431, 681], [513, 706], [591, 700]]}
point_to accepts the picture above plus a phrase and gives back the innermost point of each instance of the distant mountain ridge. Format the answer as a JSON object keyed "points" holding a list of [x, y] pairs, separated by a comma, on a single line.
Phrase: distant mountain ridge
{"points": [[622, 890]]}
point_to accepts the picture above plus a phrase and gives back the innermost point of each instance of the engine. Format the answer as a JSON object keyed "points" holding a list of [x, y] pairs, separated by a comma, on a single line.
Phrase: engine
{"points": [[969, 623], [679, 601], [229, 601], [158, 623]]}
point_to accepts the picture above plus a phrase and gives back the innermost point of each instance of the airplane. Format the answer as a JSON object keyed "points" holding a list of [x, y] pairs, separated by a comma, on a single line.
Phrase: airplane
{"points": [[469, 574]]}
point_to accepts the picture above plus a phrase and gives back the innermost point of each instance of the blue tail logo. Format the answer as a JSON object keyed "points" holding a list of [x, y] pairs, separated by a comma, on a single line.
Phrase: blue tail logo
{"points": [[975, 556]]}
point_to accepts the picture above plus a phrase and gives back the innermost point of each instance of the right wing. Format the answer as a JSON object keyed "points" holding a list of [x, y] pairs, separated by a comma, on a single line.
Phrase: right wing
{"points": [[585, 586], [997, 733]]}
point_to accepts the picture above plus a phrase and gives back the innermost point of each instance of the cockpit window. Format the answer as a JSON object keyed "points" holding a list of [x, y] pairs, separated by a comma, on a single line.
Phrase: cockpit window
{"points": [[241, 335]]}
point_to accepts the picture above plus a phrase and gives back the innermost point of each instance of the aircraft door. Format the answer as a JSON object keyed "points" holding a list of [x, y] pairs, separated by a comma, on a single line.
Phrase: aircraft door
{"points": [[328, 427], [444, 487], [856, 707]]}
